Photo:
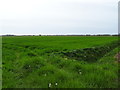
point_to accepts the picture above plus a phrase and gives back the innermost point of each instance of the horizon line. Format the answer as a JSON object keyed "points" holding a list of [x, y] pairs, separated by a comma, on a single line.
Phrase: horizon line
{"points": [[59, 34]]}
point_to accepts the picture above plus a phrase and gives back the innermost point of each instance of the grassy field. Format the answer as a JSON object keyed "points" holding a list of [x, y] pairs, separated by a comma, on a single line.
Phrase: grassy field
{"points": [[60, 62]]}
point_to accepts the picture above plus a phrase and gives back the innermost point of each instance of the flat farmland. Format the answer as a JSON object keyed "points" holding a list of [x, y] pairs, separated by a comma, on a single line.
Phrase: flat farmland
{"points": [[60, 61]]}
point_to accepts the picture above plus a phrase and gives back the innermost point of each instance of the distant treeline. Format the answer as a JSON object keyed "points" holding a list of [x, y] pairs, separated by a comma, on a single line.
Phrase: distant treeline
{"points": [[67, 35], [86, 35]]}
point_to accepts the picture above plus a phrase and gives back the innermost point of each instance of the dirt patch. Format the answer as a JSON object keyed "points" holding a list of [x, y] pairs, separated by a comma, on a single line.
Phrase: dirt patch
{"points": [[118, 57]]}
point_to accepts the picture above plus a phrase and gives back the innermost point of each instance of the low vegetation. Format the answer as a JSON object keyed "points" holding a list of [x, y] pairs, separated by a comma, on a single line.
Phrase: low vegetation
{"points": [[60, 62]]}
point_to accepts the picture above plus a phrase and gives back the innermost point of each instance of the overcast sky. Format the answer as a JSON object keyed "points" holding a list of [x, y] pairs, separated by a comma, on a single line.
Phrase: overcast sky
{"points": [[58, 16]]}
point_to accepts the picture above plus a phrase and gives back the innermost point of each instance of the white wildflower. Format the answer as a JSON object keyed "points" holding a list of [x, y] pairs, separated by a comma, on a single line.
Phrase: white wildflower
{"points": [[65, 58], [49, 85], [45, 74], [56, 84], [80, 72]]}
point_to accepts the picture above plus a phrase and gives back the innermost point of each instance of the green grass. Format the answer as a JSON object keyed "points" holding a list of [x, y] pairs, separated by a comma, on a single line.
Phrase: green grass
{"points": [[32, 62]]}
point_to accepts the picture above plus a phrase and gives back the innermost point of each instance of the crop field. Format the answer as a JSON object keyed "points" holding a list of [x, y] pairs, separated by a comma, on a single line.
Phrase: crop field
{"points": [[60, 62]]}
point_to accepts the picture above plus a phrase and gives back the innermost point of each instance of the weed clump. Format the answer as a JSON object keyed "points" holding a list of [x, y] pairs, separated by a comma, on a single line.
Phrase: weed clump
{"points": [[31, 54], [33, 64]]}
